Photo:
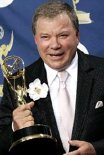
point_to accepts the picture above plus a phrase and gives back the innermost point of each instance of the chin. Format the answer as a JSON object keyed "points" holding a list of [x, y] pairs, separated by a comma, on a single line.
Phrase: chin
{"points": [[57, 67]]}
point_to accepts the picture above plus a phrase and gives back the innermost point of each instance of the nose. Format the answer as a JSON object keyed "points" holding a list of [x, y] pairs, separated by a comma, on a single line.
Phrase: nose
{"points": [[55, 44]]}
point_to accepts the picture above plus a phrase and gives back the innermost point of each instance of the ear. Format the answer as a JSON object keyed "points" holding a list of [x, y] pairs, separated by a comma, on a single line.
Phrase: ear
{"points": [[78, 36], [35, 39]]}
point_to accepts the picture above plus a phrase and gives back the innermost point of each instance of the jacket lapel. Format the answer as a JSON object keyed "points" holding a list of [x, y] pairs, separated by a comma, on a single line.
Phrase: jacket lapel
{"points": [[85, 82]]}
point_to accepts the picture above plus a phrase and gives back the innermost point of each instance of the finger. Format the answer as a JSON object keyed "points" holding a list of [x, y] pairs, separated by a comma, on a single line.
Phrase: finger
{"points": [[76, 143], [28, 124], [23, 107], [26, 113], [30, 105], [21, 123], [27, 119]]}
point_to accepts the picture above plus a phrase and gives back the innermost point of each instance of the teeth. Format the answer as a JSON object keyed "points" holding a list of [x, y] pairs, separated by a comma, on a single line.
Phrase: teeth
{"points": [[56, 54]]}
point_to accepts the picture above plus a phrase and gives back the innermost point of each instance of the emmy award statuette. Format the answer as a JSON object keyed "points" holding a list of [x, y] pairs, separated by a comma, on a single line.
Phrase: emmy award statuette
{"points": [[37, 138]]}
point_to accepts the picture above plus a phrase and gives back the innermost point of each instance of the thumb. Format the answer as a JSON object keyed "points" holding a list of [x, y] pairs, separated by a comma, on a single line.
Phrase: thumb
{"points": [[76, 143], [30, 105]]}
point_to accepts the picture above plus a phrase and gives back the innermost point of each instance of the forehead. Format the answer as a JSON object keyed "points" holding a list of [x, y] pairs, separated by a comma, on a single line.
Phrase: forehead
{"points": [[62, 19]]}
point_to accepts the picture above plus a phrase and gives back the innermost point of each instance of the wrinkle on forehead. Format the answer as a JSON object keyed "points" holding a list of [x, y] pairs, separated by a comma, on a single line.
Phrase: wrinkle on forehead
{"points": [[60, 22]]}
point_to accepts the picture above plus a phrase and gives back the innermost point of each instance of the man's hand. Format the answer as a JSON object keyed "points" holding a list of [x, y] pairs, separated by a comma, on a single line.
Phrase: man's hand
{"points": [[22, 116], [84, 148]]}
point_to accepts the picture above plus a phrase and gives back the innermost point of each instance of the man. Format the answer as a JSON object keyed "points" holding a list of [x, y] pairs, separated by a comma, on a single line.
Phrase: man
{"points": [[56, 34]]}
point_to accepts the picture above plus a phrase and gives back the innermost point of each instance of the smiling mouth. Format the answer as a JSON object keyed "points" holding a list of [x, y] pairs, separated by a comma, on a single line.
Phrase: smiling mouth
{"points": [[56, 54]]}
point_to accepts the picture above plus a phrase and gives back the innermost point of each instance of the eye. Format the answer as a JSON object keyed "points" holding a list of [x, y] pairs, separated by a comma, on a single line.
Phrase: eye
{"points": [[64, 35], [45, 37]]}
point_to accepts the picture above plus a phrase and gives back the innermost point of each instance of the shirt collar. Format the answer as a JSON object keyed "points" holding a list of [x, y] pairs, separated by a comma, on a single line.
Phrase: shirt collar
{"points": [[73, 67], [51, 74]]}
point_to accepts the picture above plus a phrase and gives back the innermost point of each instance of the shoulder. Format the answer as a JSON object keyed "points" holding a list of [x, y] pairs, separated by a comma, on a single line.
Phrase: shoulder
{"points": [[35, 66], [37, 63], [91, 60], [35, 70]]}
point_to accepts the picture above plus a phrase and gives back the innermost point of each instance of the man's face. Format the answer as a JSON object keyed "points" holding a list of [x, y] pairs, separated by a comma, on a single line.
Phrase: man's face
{"points": [[56, 40]]}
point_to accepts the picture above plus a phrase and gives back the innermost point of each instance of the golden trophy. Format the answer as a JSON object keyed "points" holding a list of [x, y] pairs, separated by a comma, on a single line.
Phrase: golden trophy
{"points": [[13, 69], [29, 139], [83, 17]]}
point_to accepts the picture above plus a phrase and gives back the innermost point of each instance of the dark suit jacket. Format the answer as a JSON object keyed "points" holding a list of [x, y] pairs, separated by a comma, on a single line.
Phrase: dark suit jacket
{"points": [[89, 121]]}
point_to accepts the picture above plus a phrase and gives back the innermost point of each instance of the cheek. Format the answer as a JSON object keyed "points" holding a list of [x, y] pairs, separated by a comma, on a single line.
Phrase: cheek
{"points": [[66, 45], [42, 49], [70, 44], [42, 44]]}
